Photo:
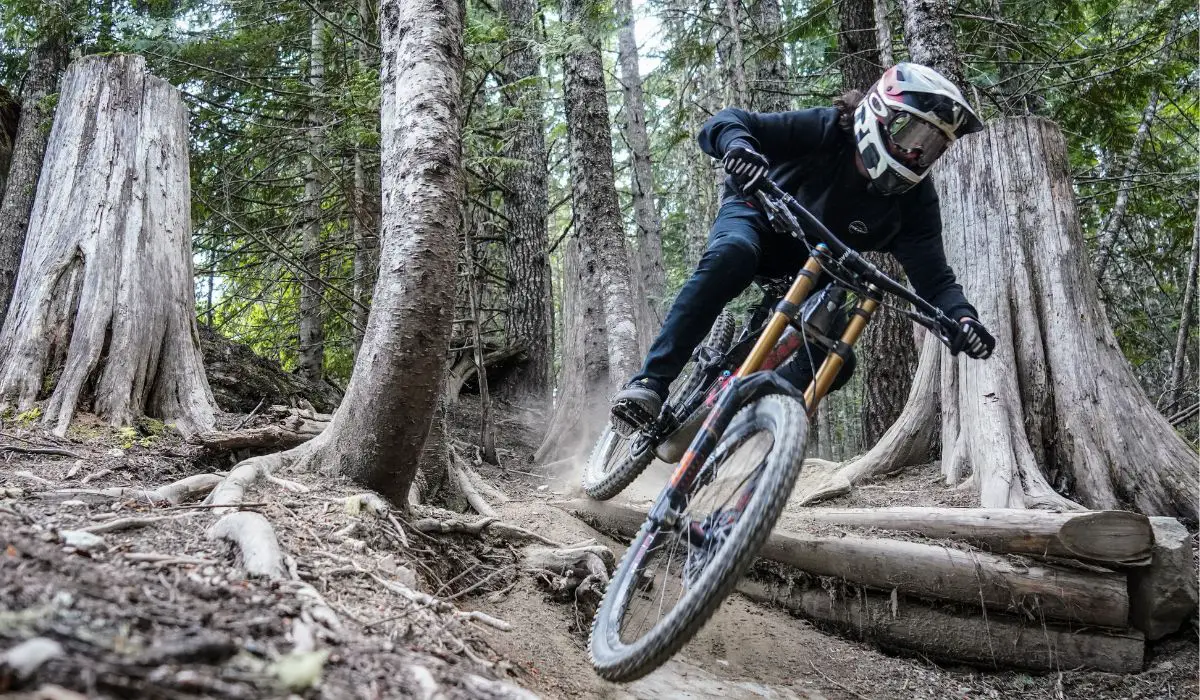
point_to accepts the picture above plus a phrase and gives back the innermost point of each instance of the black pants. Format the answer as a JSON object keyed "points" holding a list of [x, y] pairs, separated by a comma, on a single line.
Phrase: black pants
{"points": [[741, 246]]}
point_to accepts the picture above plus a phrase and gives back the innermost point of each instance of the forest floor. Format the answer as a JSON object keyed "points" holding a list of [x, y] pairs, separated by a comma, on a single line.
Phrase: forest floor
{"points": [[157, 609]]}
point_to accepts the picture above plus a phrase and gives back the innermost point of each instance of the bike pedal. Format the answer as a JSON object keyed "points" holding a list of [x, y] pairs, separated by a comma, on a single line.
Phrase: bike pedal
{"points": [[629, 418]]}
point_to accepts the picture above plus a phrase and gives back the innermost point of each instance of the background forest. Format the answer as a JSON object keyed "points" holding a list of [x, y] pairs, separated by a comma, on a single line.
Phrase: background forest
{"points": [[284, 101]]}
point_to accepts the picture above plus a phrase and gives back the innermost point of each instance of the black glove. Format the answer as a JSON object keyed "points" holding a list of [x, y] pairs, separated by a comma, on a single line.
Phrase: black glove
{"points": [[973, 339], [746, 166]]}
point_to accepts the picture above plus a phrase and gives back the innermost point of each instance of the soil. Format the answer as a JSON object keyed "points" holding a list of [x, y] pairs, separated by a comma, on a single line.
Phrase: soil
{"points": [[203, 629]]}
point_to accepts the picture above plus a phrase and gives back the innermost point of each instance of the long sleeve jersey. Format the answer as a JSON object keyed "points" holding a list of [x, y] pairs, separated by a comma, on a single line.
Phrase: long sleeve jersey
{"points": [[812, 158]]}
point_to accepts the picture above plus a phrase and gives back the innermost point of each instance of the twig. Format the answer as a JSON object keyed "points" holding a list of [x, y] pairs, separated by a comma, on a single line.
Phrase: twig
{"points": [[41, 451], [130, 523], [203, 506], [250, 416], [830, 680], [159, 560], [95, 475], [34, 478]]}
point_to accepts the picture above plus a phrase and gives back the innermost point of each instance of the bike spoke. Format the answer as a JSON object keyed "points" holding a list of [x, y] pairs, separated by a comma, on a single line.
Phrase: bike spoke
{"points": [[668, 569]]}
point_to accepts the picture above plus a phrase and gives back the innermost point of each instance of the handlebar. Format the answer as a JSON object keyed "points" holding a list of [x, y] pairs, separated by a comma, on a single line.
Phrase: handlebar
{"points": [[783, 207]]}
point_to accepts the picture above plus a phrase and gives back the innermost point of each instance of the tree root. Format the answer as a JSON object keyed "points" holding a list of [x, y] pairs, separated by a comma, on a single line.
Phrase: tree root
{"points": [[255, 539], [490, 525], [174, 493], [572, 573], [439, 605]]}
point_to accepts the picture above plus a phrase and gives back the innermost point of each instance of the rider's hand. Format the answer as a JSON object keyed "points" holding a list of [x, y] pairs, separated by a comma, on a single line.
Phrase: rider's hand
{"points": [[746, 166], [973, 338]]}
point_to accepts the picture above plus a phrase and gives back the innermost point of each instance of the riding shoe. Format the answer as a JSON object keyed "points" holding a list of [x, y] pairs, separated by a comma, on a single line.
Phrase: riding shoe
{"points": [[636, 406]]}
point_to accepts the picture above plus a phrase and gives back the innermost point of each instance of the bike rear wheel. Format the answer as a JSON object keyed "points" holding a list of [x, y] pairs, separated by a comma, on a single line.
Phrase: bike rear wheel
{"points": [[615, 461], [672, 579]]}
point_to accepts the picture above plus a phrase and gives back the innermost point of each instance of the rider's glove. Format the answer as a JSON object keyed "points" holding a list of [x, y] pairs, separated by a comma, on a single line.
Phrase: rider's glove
{"points": [[973, 339], [746, 166]]}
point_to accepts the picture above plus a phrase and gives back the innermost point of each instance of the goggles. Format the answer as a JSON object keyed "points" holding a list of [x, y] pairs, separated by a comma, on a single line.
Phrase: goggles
{"points": [[915, 142]]}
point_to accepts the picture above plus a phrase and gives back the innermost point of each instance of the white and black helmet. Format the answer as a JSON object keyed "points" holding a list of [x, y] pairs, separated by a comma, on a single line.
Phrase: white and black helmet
{"points": [[906, 121]]}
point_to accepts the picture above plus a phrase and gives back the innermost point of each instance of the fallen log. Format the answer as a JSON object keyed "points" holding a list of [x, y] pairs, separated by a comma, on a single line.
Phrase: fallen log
{"points": [[929, 571], [1163, 595], [900, 624], [1104, 536]]}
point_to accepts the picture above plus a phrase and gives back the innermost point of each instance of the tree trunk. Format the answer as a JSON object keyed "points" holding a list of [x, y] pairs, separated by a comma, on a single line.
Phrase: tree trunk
{"points": [[364, 225], [858, 44], [1186, 317], [578, 413], [887, 359], [487, 434], [107, 266], [887, 354], [770, 93], [311, 353], [883, 34], [1107, 238], [733, 56], [1057, 398], [378, 430], [46, 64], [648, 261], [593, 191], [525, 207], [930, 36]]}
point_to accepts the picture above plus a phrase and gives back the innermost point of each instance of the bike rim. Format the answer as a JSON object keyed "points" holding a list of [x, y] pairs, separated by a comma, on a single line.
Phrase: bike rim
{"points": [[669, 564]]}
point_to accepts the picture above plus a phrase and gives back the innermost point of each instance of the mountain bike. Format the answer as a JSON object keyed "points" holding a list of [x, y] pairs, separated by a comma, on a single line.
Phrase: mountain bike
{"points": [[734, 478]]}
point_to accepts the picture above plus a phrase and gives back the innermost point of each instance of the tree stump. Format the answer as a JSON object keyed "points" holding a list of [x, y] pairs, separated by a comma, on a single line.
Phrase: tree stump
{"points": [[103, 313]]}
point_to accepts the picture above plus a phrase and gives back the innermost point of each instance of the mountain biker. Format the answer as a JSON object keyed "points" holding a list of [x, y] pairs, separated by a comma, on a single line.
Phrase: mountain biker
{"points": [[860, 167]]}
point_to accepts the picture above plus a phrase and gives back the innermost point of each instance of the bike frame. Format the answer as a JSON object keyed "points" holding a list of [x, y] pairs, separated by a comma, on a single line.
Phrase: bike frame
{"points": [[768, 352]]}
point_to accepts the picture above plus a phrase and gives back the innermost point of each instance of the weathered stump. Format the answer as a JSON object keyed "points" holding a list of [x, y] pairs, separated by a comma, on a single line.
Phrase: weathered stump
{"points": [[103, 312]]}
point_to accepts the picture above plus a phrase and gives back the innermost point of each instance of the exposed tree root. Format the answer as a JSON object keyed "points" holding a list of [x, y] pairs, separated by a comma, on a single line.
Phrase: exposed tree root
{"points": [[439, 605], [579, 574], [175, 493], [490, 525], [255, 540]]}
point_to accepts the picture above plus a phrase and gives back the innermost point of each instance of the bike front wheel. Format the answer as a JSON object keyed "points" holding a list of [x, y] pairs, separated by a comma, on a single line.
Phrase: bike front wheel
{"points": [[615, 462], [672, 578]]}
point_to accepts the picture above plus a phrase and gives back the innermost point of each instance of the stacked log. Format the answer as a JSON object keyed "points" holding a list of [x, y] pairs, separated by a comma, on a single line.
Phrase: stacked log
{"points": [[993, 587]]}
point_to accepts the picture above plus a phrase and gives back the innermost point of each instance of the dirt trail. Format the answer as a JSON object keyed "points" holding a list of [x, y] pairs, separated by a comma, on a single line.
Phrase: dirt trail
{"points": [[749, 650]]}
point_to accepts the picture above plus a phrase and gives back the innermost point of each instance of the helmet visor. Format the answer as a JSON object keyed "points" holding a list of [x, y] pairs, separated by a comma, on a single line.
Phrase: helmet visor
{"points": [[915, 142]]}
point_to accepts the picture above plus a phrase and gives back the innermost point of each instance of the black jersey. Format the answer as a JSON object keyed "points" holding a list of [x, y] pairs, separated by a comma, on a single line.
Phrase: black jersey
{"points": [[813, 159]]}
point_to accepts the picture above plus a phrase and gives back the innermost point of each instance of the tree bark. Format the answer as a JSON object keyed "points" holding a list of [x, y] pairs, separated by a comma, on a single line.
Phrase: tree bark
{"points": [[930, 35], [1186, 317], [887, 354], [593, 191], [487, 433], [311, 353], [377, 433], [770, 92], [578, 414], [883, 34], [733, 56], [648, 261], [104, 306], [858, 44], [525, 207], [996, 641], [46, 64], [364, 224], [1107, 238]]}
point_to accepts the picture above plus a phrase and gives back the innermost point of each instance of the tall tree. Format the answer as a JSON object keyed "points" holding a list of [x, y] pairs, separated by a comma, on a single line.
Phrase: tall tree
{"points": [[648, 260], [378, 431], [930, 37], [46, 64], [888, 356], [594, 193], [363, 220], [311, 362], [525, 205], [1107, 238], [1186, 317], [770, 93]]}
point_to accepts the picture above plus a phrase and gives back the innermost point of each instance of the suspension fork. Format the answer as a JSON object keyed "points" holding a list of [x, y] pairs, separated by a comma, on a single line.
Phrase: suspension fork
{"points": [[860, 316], [671, 501]]}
